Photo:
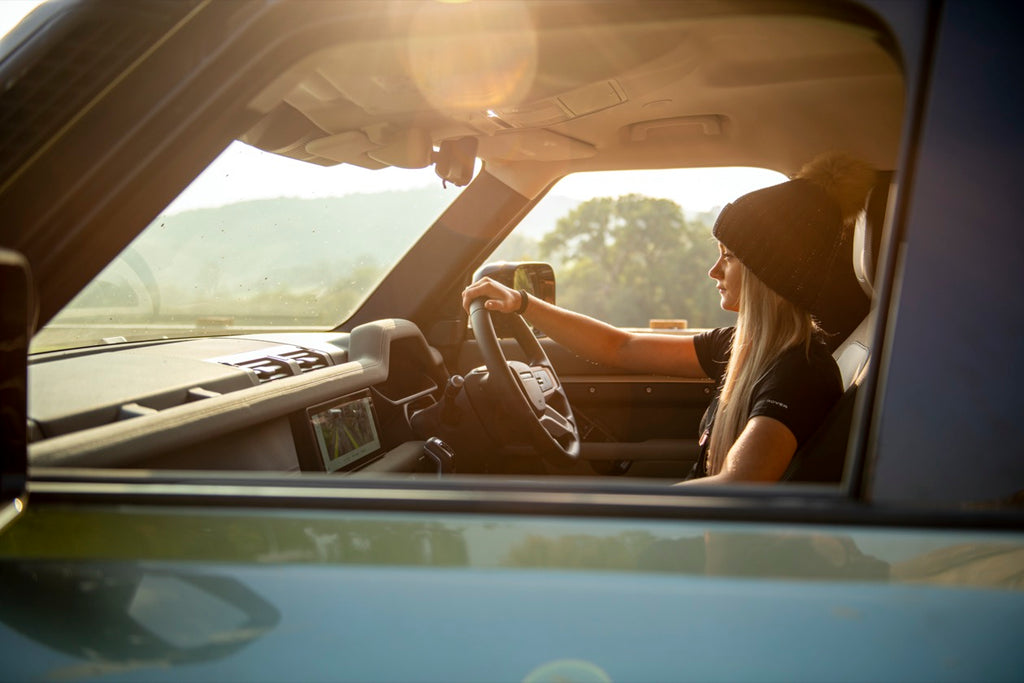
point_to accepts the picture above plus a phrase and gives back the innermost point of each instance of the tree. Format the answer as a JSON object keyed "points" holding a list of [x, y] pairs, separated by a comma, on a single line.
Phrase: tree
{"points": [[632, 259]]}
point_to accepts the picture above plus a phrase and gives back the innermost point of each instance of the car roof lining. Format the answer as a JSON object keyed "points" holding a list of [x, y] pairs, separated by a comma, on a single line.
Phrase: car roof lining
{"points": [[642, 98]]}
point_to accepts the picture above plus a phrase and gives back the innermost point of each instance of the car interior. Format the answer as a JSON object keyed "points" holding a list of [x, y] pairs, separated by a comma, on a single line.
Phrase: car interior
{"points": [[501, 100]]}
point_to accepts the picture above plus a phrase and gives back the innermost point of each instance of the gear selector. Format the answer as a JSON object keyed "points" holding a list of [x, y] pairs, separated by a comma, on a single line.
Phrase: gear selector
{"points": [[441, 454]]}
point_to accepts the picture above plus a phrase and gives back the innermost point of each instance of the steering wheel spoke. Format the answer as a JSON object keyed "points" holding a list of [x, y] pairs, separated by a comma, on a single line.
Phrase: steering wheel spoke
{"points": [[556, 424]]}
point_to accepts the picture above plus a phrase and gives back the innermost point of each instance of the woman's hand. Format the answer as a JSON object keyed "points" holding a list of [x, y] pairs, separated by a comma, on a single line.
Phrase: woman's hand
{"points": [[499, 297]]}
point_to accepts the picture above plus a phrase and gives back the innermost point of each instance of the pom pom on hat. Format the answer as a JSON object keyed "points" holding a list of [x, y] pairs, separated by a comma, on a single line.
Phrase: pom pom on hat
{"points": [[794, 236], [845, 179]]}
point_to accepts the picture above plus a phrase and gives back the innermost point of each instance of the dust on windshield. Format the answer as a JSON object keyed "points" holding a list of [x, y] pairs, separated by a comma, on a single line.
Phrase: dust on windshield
{"points": [[256, 243]]}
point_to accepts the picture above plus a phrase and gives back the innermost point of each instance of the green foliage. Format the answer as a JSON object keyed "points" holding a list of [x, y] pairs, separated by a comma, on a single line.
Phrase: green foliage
{"points": [[633, 259]]}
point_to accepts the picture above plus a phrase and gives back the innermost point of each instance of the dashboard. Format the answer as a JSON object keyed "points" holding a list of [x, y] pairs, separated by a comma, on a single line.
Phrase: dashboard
{"points": [[290, 402]]}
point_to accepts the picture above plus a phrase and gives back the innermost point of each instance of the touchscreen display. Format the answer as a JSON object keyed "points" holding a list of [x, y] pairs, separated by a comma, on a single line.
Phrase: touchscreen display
{"points": [[345, 432]]}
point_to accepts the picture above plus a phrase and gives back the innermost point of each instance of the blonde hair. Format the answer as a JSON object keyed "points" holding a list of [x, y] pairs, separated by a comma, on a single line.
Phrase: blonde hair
{"points": [[766, 326]]}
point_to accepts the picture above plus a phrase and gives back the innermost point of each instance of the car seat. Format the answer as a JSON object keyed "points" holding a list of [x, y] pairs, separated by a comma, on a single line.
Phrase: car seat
{"points": [[822, 458]]}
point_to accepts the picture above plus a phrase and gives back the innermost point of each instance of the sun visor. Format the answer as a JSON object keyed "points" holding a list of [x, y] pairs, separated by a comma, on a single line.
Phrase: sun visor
{"points": [[533, 145]]}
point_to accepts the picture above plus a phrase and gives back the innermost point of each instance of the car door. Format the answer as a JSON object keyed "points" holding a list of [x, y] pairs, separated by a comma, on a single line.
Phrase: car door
{"points": [[290, 578]]}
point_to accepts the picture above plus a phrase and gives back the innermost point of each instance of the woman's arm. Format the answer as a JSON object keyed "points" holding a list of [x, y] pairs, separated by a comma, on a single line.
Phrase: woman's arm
{"points": [[760, 454], [593, 339]]}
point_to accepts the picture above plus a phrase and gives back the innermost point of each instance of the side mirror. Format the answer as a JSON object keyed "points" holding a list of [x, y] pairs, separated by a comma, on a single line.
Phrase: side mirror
{"points": [[538, 279]]}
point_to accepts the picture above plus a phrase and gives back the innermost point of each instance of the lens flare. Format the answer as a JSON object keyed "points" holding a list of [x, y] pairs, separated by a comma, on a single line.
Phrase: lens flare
{"points": [[472, 56]]}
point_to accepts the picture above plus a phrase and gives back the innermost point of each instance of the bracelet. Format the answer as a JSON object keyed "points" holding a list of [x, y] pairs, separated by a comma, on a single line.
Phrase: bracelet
{"points": [[524, 300]]}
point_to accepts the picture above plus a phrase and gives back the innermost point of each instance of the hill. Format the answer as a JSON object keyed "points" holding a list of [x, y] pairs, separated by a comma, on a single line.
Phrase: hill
{"points": [[277, 250]]}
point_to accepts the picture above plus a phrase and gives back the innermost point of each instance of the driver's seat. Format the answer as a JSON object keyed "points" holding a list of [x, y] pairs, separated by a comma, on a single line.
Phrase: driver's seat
{"points": [[822, 458]]}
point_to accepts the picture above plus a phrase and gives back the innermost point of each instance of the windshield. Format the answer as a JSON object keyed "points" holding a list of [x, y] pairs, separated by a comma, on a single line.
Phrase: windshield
{"points": [[257, 243], [264, 243]]}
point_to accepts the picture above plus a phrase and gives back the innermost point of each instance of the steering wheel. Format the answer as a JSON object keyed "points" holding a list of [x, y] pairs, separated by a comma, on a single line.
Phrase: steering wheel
{"points": [[531, 392]]}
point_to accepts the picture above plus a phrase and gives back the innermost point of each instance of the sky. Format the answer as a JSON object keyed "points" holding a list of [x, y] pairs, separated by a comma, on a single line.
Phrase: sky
{"points": [[242, 173], [11, 12]]}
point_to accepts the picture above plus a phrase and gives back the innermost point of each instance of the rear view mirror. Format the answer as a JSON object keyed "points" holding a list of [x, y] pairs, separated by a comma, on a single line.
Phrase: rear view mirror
{"points": [[455, 160]]}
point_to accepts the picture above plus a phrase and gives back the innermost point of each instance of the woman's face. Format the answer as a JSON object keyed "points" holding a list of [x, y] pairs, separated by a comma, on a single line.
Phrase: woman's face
{"points": [[728, 275]]}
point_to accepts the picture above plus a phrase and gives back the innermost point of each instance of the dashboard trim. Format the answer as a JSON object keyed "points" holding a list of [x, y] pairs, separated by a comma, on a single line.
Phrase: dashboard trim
{"points": [[121, 442], [140, 438]]}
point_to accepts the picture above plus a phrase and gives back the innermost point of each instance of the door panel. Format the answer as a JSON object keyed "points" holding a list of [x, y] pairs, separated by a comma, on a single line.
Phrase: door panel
{"points": [[630, 424]]}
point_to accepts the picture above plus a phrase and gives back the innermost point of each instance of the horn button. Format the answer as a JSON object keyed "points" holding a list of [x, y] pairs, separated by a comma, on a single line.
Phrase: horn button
{"points": [[534, 383]]}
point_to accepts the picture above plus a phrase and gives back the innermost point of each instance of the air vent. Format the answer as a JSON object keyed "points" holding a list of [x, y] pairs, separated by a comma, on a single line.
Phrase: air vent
{"points": [[281, 362], [308, 359], [268, 369]]}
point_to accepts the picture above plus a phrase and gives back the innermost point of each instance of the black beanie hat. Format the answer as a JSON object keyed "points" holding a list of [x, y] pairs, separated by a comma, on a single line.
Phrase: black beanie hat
{"points": [[794, 236]]}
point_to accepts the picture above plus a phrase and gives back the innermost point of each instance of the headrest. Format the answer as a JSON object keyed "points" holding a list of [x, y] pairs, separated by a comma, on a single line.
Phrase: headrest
{"points": [[867, 234]]}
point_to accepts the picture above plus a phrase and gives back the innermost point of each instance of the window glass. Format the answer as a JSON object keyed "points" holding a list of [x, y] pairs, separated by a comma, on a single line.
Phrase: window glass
{"points": [[257, 243], [634, 248]]}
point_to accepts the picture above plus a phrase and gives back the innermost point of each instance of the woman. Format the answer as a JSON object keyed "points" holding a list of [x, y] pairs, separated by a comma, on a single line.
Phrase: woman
{"points": [[775, 377]]}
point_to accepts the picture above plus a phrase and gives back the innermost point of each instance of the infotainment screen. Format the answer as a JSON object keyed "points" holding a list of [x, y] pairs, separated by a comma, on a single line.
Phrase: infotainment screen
{"points": [[345, 431]]}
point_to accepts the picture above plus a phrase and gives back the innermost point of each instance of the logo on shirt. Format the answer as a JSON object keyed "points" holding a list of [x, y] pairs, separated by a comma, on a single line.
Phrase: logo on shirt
{"points": [[777, 403]]}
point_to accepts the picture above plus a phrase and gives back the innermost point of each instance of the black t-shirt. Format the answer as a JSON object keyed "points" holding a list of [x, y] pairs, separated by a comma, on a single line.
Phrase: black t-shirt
{"points": [[798, 390]]}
